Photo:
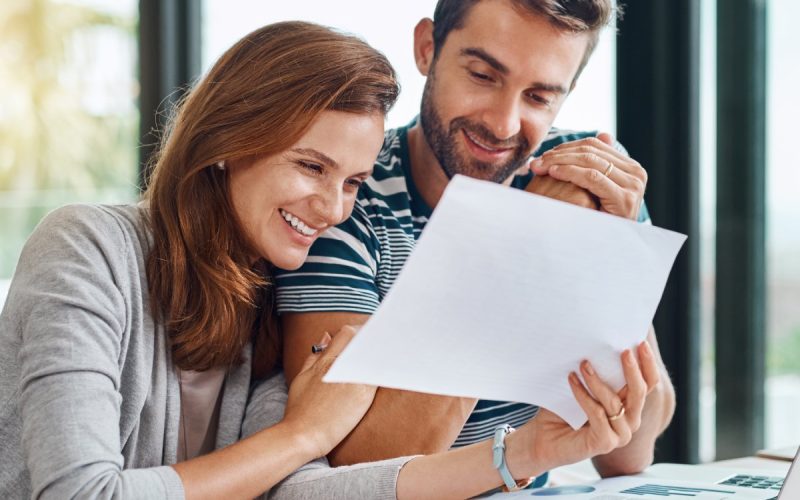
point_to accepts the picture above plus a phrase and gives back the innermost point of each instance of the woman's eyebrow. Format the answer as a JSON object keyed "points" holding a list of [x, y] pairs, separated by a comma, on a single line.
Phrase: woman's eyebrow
{"points": [[318, 155]]}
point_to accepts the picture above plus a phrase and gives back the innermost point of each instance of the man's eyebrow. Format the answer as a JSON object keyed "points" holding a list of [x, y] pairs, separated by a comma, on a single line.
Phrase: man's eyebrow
{"points": [[486, 57], [503, 69], [318, 155]]}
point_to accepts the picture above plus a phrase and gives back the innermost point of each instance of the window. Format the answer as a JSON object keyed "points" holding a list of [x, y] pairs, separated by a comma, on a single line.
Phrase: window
{"points": [[783, 228], [68, 119]]}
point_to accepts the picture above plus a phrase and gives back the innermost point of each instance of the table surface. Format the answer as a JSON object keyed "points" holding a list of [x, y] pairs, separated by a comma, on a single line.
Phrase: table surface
{"points": [[583, 472]]}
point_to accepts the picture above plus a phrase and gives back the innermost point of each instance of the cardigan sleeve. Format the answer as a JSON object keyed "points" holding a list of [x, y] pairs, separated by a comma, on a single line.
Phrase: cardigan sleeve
{"points": [[69, 313]]}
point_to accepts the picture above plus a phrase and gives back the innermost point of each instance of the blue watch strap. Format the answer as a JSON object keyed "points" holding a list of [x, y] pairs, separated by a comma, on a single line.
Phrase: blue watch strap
{"points": [[499, 455]]}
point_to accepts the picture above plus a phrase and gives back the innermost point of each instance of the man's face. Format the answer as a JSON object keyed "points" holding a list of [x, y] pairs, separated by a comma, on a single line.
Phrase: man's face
{"points": [[495, 88]]}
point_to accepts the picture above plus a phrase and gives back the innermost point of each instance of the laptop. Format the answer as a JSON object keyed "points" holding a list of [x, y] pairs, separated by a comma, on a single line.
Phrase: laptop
{"points": [[676, 481]]}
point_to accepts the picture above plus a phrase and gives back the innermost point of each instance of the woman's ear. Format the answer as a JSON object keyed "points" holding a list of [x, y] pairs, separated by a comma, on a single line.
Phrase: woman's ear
{"points": [[423, 45]]}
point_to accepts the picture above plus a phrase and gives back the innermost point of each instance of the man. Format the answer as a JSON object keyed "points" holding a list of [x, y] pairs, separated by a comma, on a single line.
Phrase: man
{"points": [[497, 73]]}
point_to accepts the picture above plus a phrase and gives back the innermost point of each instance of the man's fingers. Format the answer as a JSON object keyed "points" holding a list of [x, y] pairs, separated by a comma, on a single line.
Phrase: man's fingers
{"points": [[606, 138], [589, 179], [596, 146], [623, 173]]}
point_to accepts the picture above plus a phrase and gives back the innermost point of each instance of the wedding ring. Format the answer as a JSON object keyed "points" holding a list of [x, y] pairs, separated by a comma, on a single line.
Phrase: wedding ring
{"points": [[618, 416], [609, 169]]}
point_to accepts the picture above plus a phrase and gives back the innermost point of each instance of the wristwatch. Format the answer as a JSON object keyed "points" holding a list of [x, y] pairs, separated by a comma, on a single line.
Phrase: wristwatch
{"points": [[499, 459]]}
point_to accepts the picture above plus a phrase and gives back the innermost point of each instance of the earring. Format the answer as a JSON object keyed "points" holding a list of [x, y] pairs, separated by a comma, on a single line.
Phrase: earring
{"points": [[221, 164]]}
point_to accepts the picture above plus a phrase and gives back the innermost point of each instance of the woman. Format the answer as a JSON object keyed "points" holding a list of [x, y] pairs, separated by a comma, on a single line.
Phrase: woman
{"points": [[138, 354]]}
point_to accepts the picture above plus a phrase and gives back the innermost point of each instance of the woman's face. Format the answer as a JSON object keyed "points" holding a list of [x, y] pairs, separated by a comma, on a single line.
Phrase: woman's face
{"points": [[287, 200]]}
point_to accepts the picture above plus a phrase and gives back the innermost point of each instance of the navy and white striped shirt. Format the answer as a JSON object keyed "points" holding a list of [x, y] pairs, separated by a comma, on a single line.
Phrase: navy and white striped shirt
{"points": [[351, 267]]}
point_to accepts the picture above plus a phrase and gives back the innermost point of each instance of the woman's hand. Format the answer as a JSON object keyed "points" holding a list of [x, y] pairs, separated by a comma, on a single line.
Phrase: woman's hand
{"points": [[613, 418], [324, 412]]}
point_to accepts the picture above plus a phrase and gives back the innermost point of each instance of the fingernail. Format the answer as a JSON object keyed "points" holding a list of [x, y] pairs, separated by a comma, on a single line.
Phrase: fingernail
{"points": [[573, 378], [554, 168], [627, 357], [646, 350], [587, 367]]}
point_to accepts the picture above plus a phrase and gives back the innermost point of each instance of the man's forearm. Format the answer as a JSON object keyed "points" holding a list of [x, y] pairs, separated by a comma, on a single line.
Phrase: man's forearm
{"points": [[402, 423]]}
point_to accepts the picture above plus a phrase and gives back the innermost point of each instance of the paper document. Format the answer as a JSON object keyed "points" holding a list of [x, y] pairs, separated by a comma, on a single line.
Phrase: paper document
{"points": [[634, 488], [504, 295]]}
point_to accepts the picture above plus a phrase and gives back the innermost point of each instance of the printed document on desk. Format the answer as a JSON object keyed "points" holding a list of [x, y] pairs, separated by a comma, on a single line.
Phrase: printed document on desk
{"points": [[505, 293]]}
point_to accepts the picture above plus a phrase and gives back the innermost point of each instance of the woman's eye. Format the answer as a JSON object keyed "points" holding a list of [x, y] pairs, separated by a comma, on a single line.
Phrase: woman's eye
{"points": [[356, 183], [312, 167]]}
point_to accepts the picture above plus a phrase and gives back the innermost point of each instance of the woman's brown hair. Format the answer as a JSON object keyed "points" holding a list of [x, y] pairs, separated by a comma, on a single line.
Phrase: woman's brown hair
{"points": [[260, 97]]}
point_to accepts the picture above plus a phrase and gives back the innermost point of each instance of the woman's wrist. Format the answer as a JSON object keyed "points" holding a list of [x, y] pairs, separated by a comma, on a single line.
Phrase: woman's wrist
{"points": [[520, 455], [303, 439]]}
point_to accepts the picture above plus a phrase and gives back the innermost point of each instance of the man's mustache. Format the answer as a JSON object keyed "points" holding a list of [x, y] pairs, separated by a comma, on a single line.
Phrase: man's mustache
{"points": [[483, 134]]}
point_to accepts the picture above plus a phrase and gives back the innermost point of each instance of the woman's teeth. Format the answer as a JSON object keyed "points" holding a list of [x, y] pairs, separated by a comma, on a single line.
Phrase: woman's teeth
{"points": [[297, 224]]}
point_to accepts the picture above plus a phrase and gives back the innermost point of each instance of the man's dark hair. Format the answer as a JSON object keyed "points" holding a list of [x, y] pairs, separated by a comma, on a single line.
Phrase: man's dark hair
{"points": [[577, 16]]}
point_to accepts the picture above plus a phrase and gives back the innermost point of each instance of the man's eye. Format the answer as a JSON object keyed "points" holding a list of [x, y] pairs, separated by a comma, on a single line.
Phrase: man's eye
{"points": [[539, 99], [480, 76]]}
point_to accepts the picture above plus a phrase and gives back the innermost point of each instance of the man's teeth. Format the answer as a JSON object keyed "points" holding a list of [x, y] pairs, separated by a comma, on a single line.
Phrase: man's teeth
{"points": [[297, 224], [484, 146]]}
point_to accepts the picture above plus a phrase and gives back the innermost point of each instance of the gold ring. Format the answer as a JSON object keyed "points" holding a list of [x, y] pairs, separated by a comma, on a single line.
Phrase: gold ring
{"points": [[609, 169], [618, 416]]}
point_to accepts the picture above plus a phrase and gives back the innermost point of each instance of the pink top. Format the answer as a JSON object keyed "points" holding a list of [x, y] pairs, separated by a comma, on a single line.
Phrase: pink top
{"points": [[201, 396]]}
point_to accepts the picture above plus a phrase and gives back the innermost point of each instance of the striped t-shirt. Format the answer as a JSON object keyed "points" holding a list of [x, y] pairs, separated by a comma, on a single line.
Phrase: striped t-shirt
{"points": [[351, 267]]}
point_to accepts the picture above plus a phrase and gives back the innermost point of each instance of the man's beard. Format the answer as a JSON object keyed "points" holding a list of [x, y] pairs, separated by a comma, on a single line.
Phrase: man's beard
{"points": [[444, 142]]}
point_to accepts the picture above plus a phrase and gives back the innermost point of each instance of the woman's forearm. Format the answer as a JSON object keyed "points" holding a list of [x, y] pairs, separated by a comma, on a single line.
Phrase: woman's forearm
{"points": [[463, 472], [247, 468]]}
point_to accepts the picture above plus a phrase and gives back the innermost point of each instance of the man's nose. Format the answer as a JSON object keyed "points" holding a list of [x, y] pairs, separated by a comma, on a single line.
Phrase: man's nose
{"points": [[502, 117]]}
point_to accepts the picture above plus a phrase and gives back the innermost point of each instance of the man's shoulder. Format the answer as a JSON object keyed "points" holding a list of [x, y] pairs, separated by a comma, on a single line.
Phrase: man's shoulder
{"points": [[387, 187], [558, 136]]}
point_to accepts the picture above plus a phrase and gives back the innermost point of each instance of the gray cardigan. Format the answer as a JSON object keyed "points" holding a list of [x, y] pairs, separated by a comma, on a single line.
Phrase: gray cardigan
{"points": [[89, 400]]}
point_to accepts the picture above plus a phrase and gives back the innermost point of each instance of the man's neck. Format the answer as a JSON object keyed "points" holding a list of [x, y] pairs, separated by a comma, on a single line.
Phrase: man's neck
{"points": [[428, 175]]}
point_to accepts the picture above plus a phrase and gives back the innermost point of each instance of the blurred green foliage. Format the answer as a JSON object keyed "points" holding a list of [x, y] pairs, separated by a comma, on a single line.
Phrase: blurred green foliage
{"points": [[783, 354], [68, 119]]}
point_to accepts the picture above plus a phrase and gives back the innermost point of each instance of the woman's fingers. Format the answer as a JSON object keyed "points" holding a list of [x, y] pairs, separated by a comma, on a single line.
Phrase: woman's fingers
{"points": [[606, 396], [636, 389], [602, 437], [313, 357], [650, 367]]}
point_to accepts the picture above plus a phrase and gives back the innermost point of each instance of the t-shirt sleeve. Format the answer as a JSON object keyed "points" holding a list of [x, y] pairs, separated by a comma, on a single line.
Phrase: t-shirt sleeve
{"points": [[339, 274]]}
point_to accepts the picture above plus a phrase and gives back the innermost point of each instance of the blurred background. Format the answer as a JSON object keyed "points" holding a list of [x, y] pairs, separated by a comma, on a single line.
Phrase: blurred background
{"points": [[702, 92]]}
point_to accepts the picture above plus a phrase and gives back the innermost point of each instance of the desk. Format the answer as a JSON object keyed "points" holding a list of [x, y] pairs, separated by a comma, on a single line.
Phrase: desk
{"points": [[583, 472]]}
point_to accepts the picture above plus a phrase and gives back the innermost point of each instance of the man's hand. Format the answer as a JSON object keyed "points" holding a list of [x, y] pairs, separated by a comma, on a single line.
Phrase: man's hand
{"points": [[616, 180], [562, 191]]}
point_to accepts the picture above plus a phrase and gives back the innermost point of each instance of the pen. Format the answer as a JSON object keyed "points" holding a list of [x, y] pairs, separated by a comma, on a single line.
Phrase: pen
{"points": [[318, 348]]}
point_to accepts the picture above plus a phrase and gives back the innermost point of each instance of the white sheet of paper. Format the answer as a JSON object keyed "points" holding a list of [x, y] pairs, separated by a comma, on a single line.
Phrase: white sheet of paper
{"points": [[504, 295]]}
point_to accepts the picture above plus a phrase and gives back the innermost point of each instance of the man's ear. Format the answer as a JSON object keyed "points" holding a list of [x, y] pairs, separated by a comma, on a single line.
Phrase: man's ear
{"points": [[423, 45]]}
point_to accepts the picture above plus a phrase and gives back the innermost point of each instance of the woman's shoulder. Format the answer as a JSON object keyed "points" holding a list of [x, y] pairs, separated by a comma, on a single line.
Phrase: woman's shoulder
{"points": [[100, 224], [111, 233]]}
